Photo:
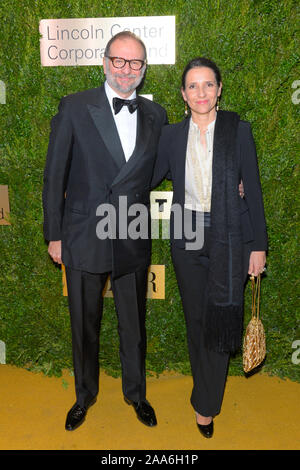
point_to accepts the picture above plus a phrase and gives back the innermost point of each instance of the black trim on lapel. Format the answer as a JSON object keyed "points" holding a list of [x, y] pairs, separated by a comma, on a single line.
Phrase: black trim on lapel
{"points": [[143, 133], [223, 127], [181, 147], [105, 124]]}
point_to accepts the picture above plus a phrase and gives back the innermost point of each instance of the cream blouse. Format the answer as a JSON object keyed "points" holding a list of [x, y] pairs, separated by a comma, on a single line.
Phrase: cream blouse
{"points": [[198, 168]]}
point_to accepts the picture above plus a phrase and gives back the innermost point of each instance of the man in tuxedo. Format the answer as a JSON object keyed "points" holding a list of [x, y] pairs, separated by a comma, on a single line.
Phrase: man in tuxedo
{"points": [[101, 151]]}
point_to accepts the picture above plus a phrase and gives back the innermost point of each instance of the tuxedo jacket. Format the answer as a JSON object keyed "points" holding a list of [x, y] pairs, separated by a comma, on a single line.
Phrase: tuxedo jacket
{"points": [[171, 162], [86, 168]]}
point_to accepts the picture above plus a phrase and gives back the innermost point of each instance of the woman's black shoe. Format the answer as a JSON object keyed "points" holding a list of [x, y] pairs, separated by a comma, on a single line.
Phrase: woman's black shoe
{"points": [[206, 430]]}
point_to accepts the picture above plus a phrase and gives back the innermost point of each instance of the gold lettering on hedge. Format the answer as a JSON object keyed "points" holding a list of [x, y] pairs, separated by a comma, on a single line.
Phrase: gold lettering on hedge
{"points": [[156, 282], [155, 286], [4, 205]]}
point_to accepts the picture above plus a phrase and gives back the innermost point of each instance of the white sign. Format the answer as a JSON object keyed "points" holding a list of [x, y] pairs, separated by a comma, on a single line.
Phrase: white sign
{"points": [[160, 204], [149, 97], [82, 41]]}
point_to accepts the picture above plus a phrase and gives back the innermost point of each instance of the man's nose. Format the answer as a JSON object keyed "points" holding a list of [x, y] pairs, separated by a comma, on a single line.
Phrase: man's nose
{"points": [[126, 69]]}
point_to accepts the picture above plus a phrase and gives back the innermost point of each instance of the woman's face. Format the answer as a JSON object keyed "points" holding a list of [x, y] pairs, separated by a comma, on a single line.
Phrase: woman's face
{"points": [[201, 91]]}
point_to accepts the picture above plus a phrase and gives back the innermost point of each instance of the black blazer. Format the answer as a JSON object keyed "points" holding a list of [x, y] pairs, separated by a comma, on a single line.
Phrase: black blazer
{"points": [[86, 167], [171, 161]]}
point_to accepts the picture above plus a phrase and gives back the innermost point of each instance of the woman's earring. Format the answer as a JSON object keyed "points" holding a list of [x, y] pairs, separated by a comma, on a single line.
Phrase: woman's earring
{"points": [[186, 108], [218, 104]]}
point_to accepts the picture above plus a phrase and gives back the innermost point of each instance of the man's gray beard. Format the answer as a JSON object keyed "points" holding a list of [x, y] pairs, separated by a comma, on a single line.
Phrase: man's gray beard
{"points": [[130, 88]]}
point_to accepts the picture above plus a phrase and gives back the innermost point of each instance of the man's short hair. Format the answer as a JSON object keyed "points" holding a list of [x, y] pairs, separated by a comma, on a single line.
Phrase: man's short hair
{"points": [[125, 35]]}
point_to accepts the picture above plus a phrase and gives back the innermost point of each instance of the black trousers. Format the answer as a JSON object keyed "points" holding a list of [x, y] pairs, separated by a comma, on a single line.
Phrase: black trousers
{"points": [[86, 307], [209, 368]]}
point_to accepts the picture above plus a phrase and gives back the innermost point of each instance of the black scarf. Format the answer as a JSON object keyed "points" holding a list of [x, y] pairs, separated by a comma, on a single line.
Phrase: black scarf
{"points": [[224, 312]]}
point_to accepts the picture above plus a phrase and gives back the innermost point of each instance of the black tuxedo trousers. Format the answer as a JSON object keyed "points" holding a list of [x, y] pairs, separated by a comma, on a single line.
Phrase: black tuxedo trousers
{"points": [[86, 306]]}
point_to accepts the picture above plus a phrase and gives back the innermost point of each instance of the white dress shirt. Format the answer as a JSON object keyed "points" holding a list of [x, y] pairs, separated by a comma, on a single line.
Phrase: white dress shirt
{"points": [[198, 168], [125, 121]]}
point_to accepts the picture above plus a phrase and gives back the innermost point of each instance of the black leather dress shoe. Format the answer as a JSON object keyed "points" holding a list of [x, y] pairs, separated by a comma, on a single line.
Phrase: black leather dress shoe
{"points": [[76, 416], [206, 430], [144, 412]]}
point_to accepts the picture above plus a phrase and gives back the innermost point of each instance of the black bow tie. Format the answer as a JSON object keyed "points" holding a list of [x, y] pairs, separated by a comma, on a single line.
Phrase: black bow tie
{"points": [[118, 104]]}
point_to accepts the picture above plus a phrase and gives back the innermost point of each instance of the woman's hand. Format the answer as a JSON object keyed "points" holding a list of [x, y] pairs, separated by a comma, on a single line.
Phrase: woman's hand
{"points": [[257, 262]]}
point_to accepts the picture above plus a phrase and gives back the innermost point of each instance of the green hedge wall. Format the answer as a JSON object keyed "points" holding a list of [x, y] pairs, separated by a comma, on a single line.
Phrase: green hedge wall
{"points": [[255, 45]]}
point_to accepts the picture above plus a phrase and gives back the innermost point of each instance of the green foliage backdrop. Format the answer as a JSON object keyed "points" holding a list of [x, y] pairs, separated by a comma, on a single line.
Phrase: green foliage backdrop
{"points": [[255, 44]]}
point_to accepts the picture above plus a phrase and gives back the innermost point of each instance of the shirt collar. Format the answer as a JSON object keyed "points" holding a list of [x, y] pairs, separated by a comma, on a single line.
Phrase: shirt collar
{"points": [[210, 126], [110, 93]]}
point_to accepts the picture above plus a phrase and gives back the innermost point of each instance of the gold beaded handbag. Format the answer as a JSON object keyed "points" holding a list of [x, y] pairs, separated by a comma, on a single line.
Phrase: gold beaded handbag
{"points": [[254, 346]]}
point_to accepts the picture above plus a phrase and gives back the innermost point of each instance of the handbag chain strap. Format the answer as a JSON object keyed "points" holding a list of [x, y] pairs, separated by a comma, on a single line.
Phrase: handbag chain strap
{"points": [[255, 296]]}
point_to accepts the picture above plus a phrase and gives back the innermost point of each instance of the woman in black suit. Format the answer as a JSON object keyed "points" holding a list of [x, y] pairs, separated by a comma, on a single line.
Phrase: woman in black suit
{"points": [[206, 155]]}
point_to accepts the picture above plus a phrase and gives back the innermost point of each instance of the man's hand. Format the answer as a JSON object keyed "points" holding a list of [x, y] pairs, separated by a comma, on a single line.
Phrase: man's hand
{"points": [[257, 262], [241, 189], [54, 250]]}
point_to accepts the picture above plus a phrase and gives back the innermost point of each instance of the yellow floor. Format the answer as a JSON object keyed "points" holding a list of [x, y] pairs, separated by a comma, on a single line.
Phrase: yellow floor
{"points": [[260, 412]]}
